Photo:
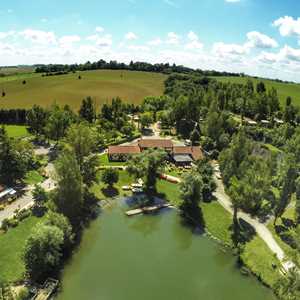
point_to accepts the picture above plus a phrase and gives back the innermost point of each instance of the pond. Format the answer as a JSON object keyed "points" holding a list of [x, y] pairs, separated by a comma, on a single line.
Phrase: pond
{"points": [[153, 257]]}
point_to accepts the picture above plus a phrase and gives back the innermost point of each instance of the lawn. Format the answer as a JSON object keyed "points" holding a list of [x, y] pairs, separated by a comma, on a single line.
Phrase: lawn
{"points": [[104, 161], [284, 89], [101, 85], [33, 177], [15, 131], [101, 190], [258, 257], [11, 247], [289, 216]]}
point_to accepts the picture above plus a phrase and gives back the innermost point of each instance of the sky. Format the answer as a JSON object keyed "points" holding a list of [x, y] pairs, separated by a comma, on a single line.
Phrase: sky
{"points": [[257, 37]]}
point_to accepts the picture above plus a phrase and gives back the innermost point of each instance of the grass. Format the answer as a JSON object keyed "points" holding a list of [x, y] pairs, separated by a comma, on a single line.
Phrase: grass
{"points": [[289, 215], [101, 85], [15, 131], [100, 189], [104, 161], [259, 259], [284, 89], [33, 177], [217, 221], [11, 247]]}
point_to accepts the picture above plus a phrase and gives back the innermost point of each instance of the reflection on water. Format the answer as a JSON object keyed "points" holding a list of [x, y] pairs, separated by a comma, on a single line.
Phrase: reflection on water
{"points": [[153, 257]]}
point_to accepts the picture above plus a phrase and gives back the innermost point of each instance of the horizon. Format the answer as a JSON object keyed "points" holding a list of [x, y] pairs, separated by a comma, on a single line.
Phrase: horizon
{"points": [[258, 39]]}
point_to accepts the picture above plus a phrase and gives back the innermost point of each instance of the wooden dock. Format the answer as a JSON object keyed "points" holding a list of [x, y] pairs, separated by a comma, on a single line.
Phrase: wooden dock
{"points": [[147, 209]]}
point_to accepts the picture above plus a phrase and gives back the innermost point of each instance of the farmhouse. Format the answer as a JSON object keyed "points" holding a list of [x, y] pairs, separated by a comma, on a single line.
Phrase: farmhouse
{"points": [[180, 155]]}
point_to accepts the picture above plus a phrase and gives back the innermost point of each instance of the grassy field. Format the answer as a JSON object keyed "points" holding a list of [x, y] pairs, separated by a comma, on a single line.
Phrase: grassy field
{"points": [[284, 89], [102, 85], [11, 247], [15, 131]]}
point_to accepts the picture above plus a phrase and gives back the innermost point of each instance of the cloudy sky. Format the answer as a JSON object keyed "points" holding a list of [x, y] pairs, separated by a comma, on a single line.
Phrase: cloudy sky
{"points": [[258, 37]]}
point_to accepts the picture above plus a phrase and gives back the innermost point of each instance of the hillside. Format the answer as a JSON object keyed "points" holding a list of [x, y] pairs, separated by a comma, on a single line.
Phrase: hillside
{"points": [[284, 89], [102, 85]]}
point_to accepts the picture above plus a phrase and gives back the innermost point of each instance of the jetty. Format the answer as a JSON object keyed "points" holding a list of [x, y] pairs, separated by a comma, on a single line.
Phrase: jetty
{"points": [[147, 209]]}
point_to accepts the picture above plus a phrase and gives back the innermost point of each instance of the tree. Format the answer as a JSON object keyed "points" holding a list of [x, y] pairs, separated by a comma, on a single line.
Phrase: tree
{"points": [[61, 222], [231, 159], [89, 169], [36, 119], [298, 200], [42, 252], [148, 165], [260, 87], [191, 195], [82, 140], [288, 186], [87, 110], [69, 194], [15, 158], [195, 137], [39, 195], [58, 122], [146, 119], [110, 176]]}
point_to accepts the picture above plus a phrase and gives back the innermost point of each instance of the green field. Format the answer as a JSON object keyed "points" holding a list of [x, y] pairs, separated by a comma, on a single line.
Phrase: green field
{"points": [[284, 89], [102, 85], [15, 131]]}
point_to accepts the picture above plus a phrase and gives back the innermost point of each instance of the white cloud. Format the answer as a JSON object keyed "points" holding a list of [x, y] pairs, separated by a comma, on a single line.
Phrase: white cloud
{"points": [[155, 42], [138, 48], [69, 39], [259, 40], [221, 49], [194, 43], [101, 41], [99, 29], [130, 36], [4, 35], [288, 26], [39, 36], [232, 1], [44, 20], [173, 38]]}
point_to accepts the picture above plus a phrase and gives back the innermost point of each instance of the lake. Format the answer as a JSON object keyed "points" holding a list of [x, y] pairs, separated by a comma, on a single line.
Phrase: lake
{"points": [[153, 257]]}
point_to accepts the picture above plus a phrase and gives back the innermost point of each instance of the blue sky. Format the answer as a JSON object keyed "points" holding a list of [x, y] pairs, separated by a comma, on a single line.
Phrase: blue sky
{"points": [[259, 37]]}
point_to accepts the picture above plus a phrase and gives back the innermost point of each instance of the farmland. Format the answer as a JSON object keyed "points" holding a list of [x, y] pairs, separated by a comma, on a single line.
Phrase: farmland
{"points": [[284, 89], [102, 85]]}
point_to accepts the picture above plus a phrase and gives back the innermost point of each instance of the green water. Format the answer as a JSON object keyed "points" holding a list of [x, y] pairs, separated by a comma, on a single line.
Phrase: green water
{"points": [[153, 258]]}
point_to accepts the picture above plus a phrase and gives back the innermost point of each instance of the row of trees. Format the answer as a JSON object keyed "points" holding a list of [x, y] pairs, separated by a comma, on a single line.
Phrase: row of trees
{"points": [[132, 66], [13, 116], [70, 206]]}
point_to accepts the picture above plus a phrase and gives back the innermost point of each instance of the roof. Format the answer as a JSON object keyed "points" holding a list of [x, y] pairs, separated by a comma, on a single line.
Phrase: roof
{"points": [[155, 143], [182, 158], [124, 150], [194, 151]]}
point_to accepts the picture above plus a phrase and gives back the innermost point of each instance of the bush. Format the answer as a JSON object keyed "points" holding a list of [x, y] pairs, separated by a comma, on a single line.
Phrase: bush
{"points": [[23, 214], [13, 223], [23, 294], [5, 224], [1, 207]]}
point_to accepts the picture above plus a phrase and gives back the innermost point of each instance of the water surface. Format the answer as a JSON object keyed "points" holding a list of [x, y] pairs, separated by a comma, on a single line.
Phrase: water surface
{"points": [[153, 258]]}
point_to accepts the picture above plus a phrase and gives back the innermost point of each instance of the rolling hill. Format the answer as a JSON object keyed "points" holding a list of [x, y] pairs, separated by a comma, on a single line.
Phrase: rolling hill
{"points": [[101, 85]]}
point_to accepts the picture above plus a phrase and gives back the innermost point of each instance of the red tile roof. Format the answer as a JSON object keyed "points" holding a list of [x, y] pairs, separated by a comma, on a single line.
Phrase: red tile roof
{"points": [[124, 150], [194, 151], [155, 143]]}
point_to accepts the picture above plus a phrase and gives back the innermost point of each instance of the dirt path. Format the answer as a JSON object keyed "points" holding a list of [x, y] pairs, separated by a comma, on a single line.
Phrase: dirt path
{"points": [[260, 228]]}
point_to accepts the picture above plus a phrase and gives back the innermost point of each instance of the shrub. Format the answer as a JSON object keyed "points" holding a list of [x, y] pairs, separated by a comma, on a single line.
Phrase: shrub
{"points": [[13, 223], [23, 294], [23, 214]]}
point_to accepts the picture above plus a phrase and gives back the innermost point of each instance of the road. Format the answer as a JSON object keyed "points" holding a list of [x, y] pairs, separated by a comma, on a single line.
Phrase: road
{"points": [[26, 201]]}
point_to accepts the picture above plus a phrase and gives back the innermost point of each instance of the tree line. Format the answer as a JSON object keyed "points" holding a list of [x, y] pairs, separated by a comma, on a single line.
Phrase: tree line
{"points": [[132, 66]]}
